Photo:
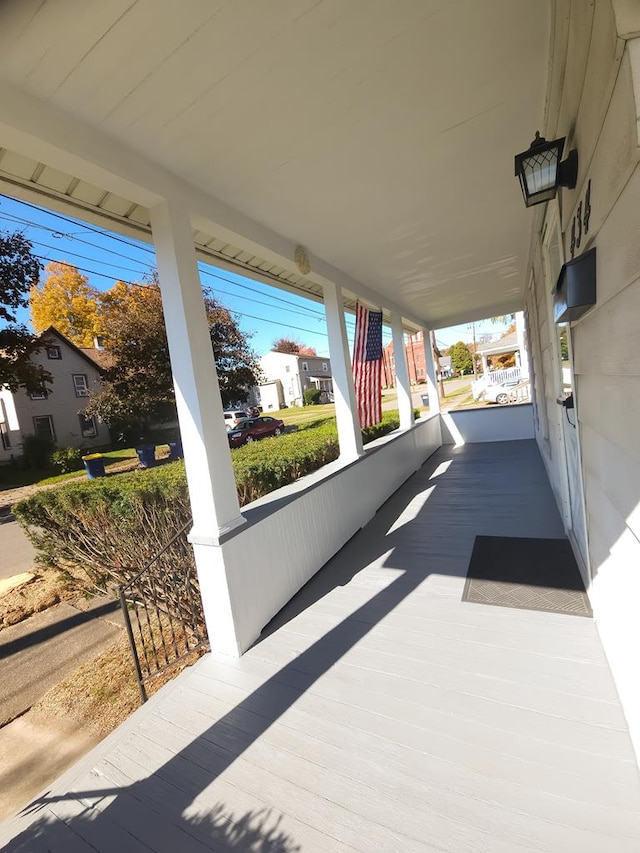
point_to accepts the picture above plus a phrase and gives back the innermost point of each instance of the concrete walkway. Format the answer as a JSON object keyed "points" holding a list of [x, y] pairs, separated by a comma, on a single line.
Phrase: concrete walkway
{"points": [[34, 750], [17, 554], [35, 655], [41, 651]]}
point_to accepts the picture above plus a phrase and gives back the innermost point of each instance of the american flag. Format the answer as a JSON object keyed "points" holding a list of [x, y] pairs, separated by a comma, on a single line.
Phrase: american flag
{"points": [[367, 363]]}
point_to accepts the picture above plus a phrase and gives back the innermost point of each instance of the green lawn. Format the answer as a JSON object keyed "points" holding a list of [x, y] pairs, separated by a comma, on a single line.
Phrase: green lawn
{"points": [[304, 416], [11, 476]]}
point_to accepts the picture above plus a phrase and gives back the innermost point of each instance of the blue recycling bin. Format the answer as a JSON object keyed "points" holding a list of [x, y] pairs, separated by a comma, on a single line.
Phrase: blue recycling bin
{"points": [[175, 450], [146, 455], [94, 465]]}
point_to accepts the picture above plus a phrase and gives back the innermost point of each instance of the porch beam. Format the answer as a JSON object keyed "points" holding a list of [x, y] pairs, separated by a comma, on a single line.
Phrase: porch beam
{"points": [[522, 343], [349, 435], [403, 384]]}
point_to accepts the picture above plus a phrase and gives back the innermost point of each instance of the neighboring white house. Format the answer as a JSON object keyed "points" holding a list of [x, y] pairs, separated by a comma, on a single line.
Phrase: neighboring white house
{"points": [[510, 344], [288, 375], [446, 368], [56, 413]]}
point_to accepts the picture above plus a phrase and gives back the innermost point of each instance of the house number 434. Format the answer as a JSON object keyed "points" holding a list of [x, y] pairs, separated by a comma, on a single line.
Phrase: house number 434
{"points": [[580, 223]]}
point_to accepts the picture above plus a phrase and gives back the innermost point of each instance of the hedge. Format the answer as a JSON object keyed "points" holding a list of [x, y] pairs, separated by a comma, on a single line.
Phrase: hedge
{"points": [[111, 527]]}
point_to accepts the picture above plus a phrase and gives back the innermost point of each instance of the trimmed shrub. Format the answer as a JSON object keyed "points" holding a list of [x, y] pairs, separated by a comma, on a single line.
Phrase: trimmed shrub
{"points": [[66, 459], [108, 528], [311, 396], [263, 466]]}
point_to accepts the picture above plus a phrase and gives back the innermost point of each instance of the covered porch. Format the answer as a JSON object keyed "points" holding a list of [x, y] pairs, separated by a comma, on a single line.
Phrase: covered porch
{"points": [[378, 710], [363, 153]]}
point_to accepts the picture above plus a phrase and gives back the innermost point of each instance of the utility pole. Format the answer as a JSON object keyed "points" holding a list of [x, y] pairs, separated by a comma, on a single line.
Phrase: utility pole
{"points": [[473, 357]]}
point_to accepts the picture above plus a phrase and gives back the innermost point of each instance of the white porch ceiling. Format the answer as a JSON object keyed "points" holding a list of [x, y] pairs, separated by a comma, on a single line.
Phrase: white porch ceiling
{"points": [[378, 133]]}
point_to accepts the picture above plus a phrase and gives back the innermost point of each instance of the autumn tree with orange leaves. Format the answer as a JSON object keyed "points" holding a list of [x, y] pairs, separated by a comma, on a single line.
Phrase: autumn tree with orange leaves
{"points": [[65, 299]]}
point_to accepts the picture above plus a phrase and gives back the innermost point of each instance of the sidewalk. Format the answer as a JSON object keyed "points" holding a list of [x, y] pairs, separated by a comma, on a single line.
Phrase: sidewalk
{"points": [[17, 552], [35, 655]]}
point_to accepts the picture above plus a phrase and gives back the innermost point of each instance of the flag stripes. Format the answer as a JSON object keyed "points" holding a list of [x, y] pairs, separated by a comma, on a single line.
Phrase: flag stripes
{"points": [[367, 365]]}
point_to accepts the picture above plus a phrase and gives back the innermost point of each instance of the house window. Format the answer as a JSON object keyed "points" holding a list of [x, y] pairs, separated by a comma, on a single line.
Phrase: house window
{"points": [[81, 385], [88, 425], [38, 395], [305, 365], [4, 436], [325, 367], [54, 353], [43, 427]]}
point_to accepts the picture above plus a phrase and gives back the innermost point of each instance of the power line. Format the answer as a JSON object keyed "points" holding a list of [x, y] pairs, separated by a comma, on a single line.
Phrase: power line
{"points": [[260, 292], [108, 235], [85, 258], [84, 225], [94, 272], [141, 247], [232, 311]]}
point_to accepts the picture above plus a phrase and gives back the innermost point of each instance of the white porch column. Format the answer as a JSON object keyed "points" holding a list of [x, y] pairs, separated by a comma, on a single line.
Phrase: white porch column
{"points": [[210, 478], [485, 366], [349, 435], [524, 355], [432, 379], [403, 385]]}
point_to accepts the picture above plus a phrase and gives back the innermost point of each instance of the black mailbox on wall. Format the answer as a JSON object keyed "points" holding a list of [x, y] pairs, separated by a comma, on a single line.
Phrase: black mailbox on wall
{"points": [[575, 291]]}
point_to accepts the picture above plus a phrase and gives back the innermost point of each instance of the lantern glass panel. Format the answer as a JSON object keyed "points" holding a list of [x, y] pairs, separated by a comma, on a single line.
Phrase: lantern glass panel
{"points": [[540, 171]]}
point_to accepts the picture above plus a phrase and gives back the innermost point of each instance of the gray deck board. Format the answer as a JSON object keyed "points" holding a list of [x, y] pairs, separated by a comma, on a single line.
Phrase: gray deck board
{"points": [[378, 712]]}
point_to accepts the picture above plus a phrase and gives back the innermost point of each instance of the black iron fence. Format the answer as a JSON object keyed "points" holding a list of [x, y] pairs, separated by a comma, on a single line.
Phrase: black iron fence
{"points": [[162, 610]]}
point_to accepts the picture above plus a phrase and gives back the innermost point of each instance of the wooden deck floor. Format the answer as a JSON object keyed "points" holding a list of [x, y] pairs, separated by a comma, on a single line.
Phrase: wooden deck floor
{"points": [[379, 712]]}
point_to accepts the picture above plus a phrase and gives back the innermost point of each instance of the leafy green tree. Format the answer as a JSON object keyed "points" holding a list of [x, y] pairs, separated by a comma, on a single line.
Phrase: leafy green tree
{"points": [[311, 396], [19, 271], [137, 388], [564, 344], [461, 357]]}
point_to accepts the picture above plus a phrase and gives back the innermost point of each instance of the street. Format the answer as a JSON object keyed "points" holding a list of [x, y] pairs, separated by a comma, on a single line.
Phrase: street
{"points": [[16, 551], [451, 386]]}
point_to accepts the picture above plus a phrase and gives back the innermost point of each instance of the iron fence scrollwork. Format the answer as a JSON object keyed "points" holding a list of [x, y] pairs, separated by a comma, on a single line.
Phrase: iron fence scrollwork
{"points": [[162, 610]]}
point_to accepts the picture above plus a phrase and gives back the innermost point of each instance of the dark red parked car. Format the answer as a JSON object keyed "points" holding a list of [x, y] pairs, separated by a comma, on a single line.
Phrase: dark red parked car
{"points": [[254, 428]]}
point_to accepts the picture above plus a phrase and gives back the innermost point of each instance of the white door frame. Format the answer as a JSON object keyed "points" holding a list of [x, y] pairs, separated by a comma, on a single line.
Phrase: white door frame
{"points": [[552, 227]]}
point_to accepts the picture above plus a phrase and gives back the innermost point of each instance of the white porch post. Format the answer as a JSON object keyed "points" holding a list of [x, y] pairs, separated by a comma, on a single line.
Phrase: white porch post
{"points": [[349, 435], [524, 355], [432, 379], [403, 385], [485, 366], [210, 478]]}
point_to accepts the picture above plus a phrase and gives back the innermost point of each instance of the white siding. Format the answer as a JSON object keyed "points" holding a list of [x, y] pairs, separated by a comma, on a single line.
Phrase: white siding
{"points": [[596, 102], [268, 562], [61, 404]]}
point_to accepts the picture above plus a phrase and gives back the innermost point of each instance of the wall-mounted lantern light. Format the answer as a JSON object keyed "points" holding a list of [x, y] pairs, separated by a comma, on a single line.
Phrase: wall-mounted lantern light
{"points": [[540, 171]]}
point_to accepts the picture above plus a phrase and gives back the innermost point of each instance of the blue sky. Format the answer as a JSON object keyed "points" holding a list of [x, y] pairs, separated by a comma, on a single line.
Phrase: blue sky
{"points": [[264, 312]]}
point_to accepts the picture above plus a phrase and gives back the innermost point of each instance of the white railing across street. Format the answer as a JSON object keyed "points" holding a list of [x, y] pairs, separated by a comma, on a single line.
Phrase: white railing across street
{"points": [[495, 377]]}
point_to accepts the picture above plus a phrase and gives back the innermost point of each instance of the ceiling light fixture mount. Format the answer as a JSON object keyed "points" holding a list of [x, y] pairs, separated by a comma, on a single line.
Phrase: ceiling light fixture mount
{"points": [[302, 260], [541, 172]]}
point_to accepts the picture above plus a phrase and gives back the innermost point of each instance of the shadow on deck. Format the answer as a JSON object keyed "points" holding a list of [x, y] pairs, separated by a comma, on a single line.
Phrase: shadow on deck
{"points": [[378, 711]]}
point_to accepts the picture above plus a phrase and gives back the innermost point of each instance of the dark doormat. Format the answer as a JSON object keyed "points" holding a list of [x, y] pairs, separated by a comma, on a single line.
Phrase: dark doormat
{"points": [[529, 574]]}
